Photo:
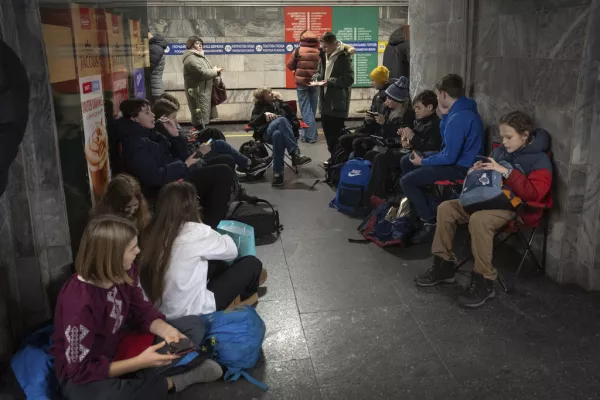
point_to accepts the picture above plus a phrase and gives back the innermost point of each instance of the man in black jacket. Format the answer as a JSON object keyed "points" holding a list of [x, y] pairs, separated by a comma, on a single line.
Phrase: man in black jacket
{"points": [[14, 103], [155, 160], [158, 44], [425, 136], [396, 56], [335, 78]]}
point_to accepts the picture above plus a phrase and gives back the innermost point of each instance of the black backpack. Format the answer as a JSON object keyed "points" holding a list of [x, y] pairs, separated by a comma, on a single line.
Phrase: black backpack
{"points": [[254, 150], [262, 216], [334, 169]]}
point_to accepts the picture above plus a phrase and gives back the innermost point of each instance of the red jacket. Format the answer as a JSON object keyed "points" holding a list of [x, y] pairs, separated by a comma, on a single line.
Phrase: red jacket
{"points": [[531, 177], [307, 62]]}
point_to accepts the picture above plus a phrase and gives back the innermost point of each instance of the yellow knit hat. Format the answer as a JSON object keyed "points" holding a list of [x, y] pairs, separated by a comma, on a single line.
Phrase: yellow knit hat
{"points": [[380, 74]]}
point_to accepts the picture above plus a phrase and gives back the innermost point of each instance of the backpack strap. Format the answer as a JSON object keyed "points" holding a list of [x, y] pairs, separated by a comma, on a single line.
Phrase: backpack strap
{"points": [[278, 226], [233, 207], [233, 374]]}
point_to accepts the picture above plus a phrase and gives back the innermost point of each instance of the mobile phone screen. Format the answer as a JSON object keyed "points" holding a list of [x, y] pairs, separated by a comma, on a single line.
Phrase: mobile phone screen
{"points": [[209, 141], [181, 347]]}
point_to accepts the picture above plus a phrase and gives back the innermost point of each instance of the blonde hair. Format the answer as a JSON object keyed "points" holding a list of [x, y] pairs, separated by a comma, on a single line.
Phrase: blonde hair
{"points": [[102, 248], [259, 93]]}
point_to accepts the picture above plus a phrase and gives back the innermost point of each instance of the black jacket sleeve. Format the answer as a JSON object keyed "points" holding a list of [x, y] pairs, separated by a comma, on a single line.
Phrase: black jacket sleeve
{"points": [[14, 103], [258, 118], [429, 138], [179, 148], [346, 78], [156, 53]]}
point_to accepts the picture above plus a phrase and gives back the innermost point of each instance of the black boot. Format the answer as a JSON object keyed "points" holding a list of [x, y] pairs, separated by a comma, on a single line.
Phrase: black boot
{"points": [[298, 159], [425, 234], [479, 291], [441, 271]]}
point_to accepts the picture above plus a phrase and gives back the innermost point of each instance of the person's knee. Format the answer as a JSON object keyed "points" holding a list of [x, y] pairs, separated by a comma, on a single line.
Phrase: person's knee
{"points": [[446, 211], [405, 163], [478, 223], [191, 326]]}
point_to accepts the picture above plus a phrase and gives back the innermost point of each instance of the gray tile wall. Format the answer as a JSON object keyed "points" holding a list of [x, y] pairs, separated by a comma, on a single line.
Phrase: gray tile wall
{"points": [[243, 73], [544, 58], [35, 245]]}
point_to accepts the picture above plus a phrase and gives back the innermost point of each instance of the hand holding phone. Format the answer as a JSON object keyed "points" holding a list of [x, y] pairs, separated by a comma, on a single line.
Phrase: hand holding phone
{"points": [[184, 346]]}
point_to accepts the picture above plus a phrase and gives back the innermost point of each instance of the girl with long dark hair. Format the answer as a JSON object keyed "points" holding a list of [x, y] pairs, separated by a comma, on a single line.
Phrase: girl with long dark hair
{"points": [[182, 268]]}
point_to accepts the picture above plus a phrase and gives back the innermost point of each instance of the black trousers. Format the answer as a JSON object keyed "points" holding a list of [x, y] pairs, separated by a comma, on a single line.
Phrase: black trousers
{"points": [[147, 384], [333, 127], [239, 279], [208, 133], [384, 171], [213, 184]]}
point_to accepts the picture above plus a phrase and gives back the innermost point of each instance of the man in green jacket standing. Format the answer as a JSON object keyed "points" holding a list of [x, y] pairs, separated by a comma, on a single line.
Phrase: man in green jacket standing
{"points": [[335, 77]]}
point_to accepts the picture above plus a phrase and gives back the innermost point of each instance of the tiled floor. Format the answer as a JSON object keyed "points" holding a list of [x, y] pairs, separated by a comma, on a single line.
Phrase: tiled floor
{"points": [[345, 321]]}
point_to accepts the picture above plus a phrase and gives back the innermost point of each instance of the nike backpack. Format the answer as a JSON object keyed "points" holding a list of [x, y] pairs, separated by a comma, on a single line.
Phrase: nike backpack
{"points": [[352, 188]]}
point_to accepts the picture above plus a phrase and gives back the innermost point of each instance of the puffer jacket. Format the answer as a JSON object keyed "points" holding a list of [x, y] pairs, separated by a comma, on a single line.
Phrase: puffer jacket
{"points": [[198, 79], [258, 120], [531, 178], [158, 44], [305, 60]]}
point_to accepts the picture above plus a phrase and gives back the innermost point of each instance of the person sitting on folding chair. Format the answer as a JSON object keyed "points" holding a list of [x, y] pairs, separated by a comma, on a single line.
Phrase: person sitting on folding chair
{"points": [[275, 122], [529, 178]]}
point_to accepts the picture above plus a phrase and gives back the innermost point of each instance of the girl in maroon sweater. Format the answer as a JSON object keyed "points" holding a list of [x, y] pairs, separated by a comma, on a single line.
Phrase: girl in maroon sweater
{"points": [[93, 307]]}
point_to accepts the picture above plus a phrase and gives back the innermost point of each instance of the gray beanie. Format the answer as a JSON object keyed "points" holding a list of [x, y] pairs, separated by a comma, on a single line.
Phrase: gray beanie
{"points": [[398, 91]]}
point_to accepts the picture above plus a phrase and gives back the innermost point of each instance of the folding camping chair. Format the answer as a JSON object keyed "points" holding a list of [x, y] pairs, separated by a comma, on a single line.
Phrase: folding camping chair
{"points": [[287, 159]]}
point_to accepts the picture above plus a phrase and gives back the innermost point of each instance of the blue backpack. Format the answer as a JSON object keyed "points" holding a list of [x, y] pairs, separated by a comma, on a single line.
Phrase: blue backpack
{"points": [[238, 334], [354, 179], [485, 190]]}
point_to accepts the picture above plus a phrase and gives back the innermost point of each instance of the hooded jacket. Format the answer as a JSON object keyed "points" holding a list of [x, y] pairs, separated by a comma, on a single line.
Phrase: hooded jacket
{"points": [[396, 56], [158, 44], [198, 77], [305, 59], [334, 98], [462, 136], [531, 177], [152, 158]]}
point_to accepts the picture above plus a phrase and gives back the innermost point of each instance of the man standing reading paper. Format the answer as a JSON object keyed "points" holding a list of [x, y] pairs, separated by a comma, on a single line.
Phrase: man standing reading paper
{"points": [[335, 79]]}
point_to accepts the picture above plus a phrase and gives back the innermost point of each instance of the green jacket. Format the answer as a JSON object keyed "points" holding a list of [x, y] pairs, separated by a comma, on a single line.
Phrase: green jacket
{"points": [[334, 98], [198, 77]]}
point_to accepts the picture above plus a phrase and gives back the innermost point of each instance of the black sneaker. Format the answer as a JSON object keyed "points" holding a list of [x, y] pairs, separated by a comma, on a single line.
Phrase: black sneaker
{"points": [[258, 165], [479, 291], [277, 180], [425, 234], [441, 271], [298, 159]]}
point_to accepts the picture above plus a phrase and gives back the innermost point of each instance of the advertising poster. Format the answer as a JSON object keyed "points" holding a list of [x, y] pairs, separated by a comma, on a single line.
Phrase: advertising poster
{"points": [[137, 58], [359, 26], [298, 19], [114, 60], [89, 73]]}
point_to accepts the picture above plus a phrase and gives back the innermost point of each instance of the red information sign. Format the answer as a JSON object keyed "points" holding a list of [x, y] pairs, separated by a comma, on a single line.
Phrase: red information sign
{"points": [[298, 19]]}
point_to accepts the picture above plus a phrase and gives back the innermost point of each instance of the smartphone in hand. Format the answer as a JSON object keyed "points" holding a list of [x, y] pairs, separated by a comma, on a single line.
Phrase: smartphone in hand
{"points": [[184, 346]]}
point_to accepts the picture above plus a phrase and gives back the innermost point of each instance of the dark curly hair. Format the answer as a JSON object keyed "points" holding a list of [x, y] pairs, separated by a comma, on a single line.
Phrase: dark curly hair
{"points": [[519, 121]]}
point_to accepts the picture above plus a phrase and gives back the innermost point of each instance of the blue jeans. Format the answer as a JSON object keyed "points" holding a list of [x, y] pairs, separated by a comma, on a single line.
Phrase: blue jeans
{"points": [[281, 135], [222, 147], [416, 181], [308, 97]]}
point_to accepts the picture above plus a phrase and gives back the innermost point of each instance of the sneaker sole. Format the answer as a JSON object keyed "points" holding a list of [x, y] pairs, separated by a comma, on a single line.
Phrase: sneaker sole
{"points": [[482, 302], [440, 282], [303, 163], [259, 170], [276, 184]]}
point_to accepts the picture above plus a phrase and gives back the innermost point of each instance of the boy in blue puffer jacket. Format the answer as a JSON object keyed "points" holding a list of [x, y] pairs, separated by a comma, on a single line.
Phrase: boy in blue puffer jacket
{"points": [[462, 134]]}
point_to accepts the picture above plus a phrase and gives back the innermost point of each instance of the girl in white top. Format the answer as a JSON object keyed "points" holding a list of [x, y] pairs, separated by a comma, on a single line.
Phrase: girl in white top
{"points": [[182, 264]]}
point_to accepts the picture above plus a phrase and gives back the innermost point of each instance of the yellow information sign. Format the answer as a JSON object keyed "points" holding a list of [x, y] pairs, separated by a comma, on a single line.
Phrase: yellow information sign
{"points": [[381, 46]]}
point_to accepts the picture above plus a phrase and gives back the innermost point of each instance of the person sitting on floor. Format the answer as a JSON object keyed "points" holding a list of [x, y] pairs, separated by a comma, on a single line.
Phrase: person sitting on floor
{"points": [[275, 122], [182, 264], [124, 197], [462, 135], [423, 137], [96, 307], [208, 151], [380, 79], [155, 159], [525, 165], [398, 114]]}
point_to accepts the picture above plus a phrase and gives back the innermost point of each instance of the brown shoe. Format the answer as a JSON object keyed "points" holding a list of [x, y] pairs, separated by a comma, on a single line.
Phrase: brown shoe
{"points": [[263, 277], [237, 302]]}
